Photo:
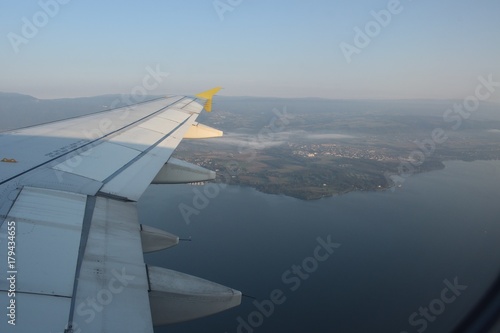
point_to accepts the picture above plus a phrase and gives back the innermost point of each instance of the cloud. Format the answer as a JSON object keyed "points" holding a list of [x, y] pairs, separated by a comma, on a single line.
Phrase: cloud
{"points": [[265, 140], [252, 141]]}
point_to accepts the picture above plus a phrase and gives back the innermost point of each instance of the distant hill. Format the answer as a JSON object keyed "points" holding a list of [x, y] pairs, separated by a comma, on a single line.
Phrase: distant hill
{"points": [[18, 110]]}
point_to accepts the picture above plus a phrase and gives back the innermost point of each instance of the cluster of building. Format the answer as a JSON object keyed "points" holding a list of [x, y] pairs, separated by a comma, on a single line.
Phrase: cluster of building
{"points": [[336, 150]]}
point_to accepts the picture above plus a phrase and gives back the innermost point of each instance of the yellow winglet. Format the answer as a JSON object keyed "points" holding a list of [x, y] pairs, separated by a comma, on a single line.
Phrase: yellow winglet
{"points": [[208, 95]]}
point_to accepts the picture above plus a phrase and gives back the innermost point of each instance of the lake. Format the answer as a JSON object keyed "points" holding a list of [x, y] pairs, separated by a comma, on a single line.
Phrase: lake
{"points": [[391, 256]]}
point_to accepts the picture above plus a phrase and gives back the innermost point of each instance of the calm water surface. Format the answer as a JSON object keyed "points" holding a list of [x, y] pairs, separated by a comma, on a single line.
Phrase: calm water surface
{"points": [[398, 250]]}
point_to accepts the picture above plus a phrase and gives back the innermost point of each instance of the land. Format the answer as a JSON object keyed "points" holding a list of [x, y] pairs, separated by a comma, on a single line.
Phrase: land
{"points": [[309, 148], [313, 148]]}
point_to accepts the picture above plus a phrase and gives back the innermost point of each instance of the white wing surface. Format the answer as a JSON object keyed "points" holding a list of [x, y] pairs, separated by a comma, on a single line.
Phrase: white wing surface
{"points": [[71, 245]]}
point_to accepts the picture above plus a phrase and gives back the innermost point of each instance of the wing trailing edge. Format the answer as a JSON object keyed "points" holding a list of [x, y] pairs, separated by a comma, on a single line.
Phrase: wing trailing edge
{"points": [[180, 172], [200, 131]]}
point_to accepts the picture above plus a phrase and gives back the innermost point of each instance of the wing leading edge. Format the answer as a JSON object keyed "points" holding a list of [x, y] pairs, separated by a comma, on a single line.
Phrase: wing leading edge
{"points": [[69, 221]]}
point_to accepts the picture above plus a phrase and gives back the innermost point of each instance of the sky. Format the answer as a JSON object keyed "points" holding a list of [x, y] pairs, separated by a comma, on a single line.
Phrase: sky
{"points": [[283, 48]]}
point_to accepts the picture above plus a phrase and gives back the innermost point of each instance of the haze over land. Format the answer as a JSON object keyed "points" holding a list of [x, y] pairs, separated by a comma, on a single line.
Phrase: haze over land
{"points": [[309, 148]]}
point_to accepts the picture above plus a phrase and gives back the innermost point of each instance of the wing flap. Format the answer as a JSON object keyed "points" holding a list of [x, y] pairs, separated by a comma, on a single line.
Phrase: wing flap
{"points": [[131, 182], [113, 279], [98, 162], [46, 221], [36, 309], [47, 229]]}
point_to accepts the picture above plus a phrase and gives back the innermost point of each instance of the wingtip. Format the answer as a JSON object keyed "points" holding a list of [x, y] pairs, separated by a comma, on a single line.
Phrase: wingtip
{"points": [[208, 95]]}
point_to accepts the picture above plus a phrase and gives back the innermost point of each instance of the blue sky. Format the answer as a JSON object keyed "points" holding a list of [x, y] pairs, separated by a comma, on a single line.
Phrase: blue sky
{"points": [[284, 48]]}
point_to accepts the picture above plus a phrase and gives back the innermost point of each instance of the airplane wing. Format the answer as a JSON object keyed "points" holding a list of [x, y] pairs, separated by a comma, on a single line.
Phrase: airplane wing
{"points": [[71, 244]]}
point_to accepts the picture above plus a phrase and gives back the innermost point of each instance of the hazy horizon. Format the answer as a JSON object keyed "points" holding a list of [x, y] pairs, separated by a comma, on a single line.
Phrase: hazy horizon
{"points": [[253, 96], [362, 50]]}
